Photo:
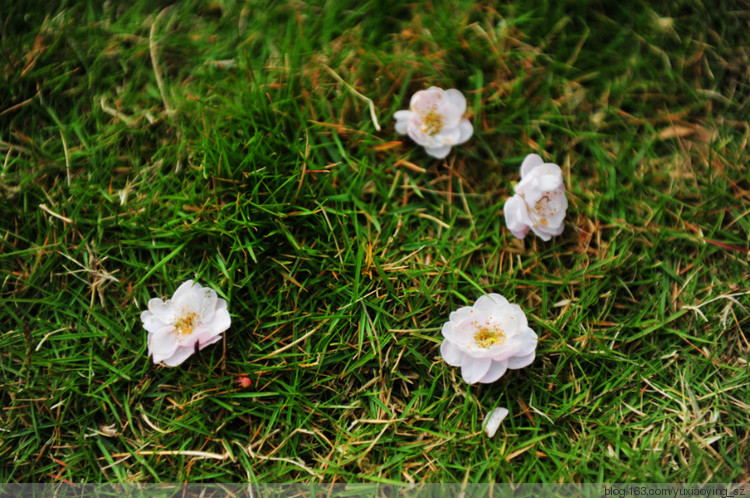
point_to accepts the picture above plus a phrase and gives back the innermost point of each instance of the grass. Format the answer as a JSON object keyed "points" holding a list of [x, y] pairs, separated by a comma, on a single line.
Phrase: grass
{"points": [[142, 147]]}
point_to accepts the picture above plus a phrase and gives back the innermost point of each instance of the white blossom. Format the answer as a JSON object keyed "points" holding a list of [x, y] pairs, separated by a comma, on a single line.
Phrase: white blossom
{"points": [[488, 338], [539, 202], [194, 315], [435, 120]]}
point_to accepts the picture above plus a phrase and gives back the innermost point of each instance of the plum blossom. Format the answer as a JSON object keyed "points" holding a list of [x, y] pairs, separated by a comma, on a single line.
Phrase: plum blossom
{"points": [[539, 203], [435, 120], [488, 338], [493, 419], [194, 315]]}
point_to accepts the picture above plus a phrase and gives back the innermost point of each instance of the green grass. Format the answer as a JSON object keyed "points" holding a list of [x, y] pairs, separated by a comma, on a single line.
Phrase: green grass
{"points": [[256, 172]]}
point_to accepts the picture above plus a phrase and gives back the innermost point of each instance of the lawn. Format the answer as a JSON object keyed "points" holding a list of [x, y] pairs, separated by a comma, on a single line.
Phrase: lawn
{"points": [[143, 144]]}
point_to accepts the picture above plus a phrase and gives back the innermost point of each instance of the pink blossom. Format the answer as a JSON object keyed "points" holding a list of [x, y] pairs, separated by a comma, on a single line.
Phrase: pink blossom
{"points": [[194, 315], [435, 120]]}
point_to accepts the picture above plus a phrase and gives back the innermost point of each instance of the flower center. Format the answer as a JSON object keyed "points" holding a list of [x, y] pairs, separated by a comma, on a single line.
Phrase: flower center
{"points": [[432, 123], [487, 337], [545, 208], [185, 324]]}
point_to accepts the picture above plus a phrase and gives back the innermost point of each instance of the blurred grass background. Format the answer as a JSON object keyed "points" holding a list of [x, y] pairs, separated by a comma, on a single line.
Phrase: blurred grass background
{"points": [[143, 144]]}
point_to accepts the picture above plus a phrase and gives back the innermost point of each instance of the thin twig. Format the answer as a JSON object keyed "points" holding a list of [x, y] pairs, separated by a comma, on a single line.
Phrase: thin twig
{"points": [[67, 157], [114, 112], [281, 350], [20, 104], [355, 92], [155, 60], [197, 454], [44, 208]]}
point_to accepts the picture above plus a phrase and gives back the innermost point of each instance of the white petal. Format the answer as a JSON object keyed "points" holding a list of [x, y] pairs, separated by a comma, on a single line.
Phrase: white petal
{"points": [[513, 319], [457, 100], [497, 369], [425, 101], [513, 211], [461, 314], [402, 121], [466, 129], [151, 323], [182, 289], [447, 136], [188, 298], [161, 311], [438, 152], [212, 340], [452, 354], [416, 134], [402, 115], [221, 320], [540, 232], [521, 361], [447, 329], [475, 369], [180, 355], [493, 419], [531, 162], [529, 340], [549, 182], [490, 303], [450, 118], [208, 304], [162, 344]]}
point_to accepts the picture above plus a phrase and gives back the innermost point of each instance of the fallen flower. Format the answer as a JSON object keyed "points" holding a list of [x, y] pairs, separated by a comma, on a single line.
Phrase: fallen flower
{"points": [[194, 315], [539, 203], [488, 338], [493, 419], [435, 120], [244, 381]]}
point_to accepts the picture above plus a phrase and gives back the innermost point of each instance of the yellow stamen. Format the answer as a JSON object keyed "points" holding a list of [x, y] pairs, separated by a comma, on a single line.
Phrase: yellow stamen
{"points": [[184, 325], [487, 337], [433, 123]]}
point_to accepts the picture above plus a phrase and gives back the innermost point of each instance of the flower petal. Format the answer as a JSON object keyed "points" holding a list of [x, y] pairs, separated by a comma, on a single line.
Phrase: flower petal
{"points": [[529, 163], [521, 361], [179, 356], [208, 303], [447, 136], [438, 152], [457, 100], [497, 369], [461, 313], [212, 340], [514, 217], [541, 233], [162, 343], [474, 370], [221, 320], [160, 310], [549, 182], [151, 323], [490, 303], [402, 115], [402, 121], [493, 419], [513, 319], [466, 129], [188, 301], [182, 289], [452, 354]]}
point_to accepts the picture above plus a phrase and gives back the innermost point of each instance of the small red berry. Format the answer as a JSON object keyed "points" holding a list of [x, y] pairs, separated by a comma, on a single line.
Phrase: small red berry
{"points": [[243, 381]]}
